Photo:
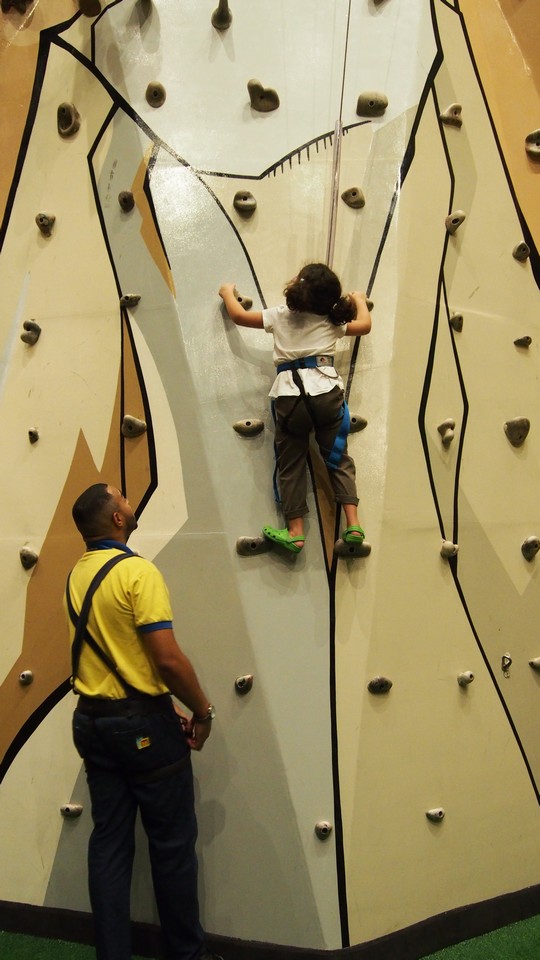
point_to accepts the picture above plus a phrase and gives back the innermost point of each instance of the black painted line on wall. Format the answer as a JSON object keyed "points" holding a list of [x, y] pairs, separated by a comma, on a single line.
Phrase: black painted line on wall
{"points": [[31, 724], [150, 437]]}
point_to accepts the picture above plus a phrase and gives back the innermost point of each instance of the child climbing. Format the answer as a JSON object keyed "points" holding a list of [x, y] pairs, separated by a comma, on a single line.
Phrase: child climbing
{"points": [[308, 392]]}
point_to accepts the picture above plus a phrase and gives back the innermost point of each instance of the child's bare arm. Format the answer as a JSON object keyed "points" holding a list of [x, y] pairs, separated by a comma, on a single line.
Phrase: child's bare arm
{"points": [[362, 324], [239, 316]]}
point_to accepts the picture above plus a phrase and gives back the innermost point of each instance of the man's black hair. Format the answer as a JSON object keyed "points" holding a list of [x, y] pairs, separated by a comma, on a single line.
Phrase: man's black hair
{"points": [[88, 511]]}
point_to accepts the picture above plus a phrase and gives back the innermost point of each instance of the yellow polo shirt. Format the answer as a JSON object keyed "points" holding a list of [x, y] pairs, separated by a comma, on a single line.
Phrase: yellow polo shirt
{"points": [[131, 600]]}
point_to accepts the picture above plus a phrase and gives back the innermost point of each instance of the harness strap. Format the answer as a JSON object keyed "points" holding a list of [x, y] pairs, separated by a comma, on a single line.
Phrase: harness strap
{"points": [[306, 363]]}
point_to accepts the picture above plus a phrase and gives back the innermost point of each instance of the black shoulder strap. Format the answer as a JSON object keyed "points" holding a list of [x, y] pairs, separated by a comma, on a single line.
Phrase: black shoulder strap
{"points": [[80, 621]]}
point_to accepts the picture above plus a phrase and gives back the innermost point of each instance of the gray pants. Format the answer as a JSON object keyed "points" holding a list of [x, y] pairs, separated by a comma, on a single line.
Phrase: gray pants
{"points": [[294, 423]]}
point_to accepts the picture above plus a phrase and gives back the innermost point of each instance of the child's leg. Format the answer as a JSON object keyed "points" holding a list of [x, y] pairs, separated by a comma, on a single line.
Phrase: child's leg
{"points": [[293, 426], [327, 408]]}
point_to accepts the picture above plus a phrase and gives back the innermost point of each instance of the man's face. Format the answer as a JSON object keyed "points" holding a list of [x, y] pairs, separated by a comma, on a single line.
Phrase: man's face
{"points": [[122, 507]]}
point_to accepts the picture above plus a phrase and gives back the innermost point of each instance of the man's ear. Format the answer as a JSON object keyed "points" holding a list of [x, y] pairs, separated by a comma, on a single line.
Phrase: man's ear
{"points": [[118, 519]]}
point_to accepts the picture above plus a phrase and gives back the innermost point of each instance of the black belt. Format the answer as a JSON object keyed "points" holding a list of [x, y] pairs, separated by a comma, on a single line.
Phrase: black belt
{"points": [[125, 707]]}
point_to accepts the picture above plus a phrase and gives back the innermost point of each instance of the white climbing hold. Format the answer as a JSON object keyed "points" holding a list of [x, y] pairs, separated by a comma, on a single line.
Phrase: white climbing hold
{"points": [[26, 678], [249, 428], [130, 299], [251, 546], [465, 678], [323, 829], [71, 810], [347, 550], [244, 684], [436, 814], [446, 430], [454, 220], [245, 302], [449, 549], [132, 427], [452, 115]]}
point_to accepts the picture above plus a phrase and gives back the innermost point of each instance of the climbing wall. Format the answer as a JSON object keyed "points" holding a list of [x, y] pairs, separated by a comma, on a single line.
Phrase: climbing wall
{"points": [[375, 761]]}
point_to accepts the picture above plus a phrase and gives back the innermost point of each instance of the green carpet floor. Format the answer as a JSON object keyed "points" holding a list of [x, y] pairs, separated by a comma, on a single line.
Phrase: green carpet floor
{"points": [[519, 941]]}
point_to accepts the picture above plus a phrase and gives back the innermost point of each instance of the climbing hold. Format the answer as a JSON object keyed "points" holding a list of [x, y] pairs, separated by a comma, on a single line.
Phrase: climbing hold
{"points": [[244, 202], [456, 322], [354, 198], [263, 99], [454, 220], [521, 252], [45, 222], [449, 549], [446, 430], [28, 557], [348, 549], [246, 302], [535, 663], [465, 678], [222, 16], [26, 678], [357, 423], [369, 304], [379, 685], [323, 829], [532, 145], [132, 427], [435, 815], [249, 428], [90, 8], [244, 684], [516, 430], [68, 119], [32, 332], [130, 300], [452, 115], [371, 104], [506, 663], [20, 5], [156, 94], [530, 548], [523, 342], [71, 810], [248, 546], [33, 435], [126, 200]]}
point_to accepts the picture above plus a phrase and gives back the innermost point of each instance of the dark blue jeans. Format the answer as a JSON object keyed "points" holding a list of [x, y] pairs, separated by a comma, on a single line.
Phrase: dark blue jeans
{"points": [[119, 753]]}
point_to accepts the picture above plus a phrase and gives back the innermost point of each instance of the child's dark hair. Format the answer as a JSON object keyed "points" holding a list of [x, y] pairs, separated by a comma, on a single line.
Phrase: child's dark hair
{"points": [[317, 289]]}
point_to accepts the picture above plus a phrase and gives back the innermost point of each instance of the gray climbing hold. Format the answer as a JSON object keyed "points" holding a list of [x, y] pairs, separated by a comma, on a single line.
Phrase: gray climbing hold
{"points": [[449, 549], [465, 678], [516, 430], [435, 815], [446, 430], [243, 685], [454, 220], [26, 678], [251, 546], [133, 427], [222, 16], [521, 252], [379, 685], [246, 302], [371, 104], [32, 331], [530, 548], [155, 94], [33, 435], [323, 829], [28, 557], [523, 342], [456, 322], [354, 198], [90, 8], [244, 202], [535, 663], [130, 299], [45, 222], [357, 423], [68, 119], [532, 145], [71, 810], [348, 551], [126, 200], [452, 115], [506, 663], [248, 428], [263, 99], [369, 304]]}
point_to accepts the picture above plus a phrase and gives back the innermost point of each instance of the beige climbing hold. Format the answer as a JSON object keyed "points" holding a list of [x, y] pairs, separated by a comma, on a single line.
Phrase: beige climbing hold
{"points": [[263, 99], [26, 678], [379, 685], [222, 16], [435, 815], [90, 8], [357, 423], [33, 435], [452, 115], [354, 198], [465, 678], [532, 145], [250, 546], [347, 550], [516, 430], [446, 430], [45, 222], [71, 810], [130, 299], [449, 549], [521, 252], [126, 200], [456, 322], [156, 94], [28, 557], [244, 684], [68, 119], [32, 332], [523, 342], [249, 428], [371, 104], [246, 302], [132, 427], [454, 220], [244, 202], [530, 548]]}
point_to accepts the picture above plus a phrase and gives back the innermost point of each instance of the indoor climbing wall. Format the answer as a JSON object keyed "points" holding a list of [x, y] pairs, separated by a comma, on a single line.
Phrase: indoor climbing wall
{"points": [[375, 761]]}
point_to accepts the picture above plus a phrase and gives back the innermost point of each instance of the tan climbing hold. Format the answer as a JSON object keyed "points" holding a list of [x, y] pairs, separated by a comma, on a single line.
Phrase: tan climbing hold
{"points": [[251, 546], [45, 222], [521, 252], [249, 428], [449, 549], [156, 94], [68, 119], [446, 430], [452, 115], [523, 342], [132, 427], [263, 99], [357, 423], [32, 332], [354, 198], [347, 550], [454, 220], [90, 8], [130, 299], [379, 685], [532, 145], [28, 557], [456, 322], [530, 548], [222, 16], [371, 104], [244, 202], [245, 302], [516, 430], [126, 200]]}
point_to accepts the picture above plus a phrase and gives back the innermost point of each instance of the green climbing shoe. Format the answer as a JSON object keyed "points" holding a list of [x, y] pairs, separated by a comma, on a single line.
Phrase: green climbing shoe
{"points": [[284, 539]]}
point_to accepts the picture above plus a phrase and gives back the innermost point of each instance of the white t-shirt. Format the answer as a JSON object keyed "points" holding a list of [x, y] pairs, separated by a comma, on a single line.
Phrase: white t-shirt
{"points": [[302, 335]]}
